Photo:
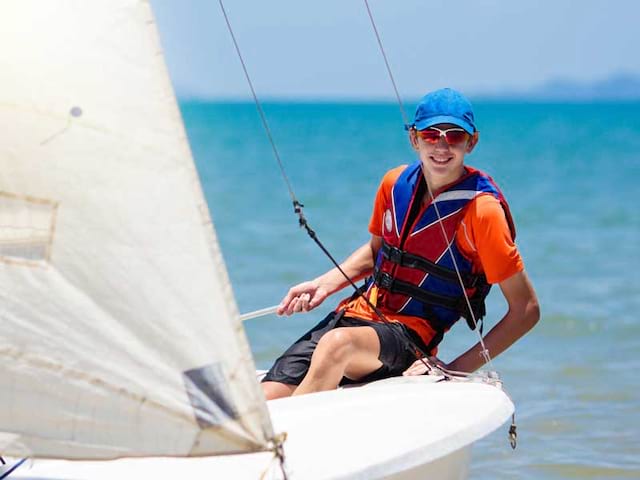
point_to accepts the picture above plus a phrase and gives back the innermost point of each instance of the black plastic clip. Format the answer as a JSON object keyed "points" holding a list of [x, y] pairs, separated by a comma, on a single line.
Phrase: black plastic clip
{"points": [[513, 435]]}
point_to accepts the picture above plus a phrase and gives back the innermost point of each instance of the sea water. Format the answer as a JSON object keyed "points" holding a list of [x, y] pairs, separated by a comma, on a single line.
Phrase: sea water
{"points": [[570, 173]]}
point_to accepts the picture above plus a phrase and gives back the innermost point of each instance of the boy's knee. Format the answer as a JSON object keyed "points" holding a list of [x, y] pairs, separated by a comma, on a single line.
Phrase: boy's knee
{"points": [[336, 343], [273, 390]]}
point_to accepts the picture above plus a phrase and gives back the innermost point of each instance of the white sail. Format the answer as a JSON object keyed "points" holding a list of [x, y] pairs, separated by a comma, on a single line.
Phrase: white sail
{"points": [[119, 332]]}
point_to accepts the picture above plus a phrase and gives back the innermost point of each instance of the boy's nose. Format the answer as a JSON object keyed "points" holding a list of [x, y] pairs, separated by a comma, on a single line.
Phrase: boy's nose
{"points": [[442, 143]]}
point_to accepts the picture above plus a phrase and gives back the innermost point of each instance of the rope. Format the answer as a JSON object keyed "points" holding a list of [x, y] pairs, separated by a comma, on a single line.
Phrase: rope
{"points": [[484, 352], [297, 206], [405, 118], [279, 452], [12, 469], [277, 447], [263, 118], [258, 313]]}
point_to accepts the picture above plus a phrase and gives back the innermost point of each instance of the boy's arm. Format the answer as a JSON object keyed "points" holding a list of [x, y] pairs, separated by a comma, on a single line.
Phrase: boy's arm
{"points": [[308, 295], [523, 313]]}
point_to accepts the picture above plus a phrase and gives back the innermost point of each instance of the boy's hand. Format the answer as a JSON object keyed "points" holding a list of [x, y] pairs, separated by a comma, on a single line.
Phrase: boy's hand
{"points": [[419, 368], [303, 297]]}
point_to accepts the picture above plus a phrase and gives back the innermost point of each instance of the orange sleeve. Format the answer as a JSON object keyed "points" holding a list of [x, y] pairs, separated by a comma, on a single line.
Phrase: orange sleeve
{"points": [[382, 198], [484, 237]]}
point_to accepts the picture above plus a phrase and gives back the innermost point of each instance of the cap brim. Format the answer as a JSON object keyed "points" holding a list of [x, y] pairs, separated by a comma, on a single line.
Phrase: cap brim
{"points": [[430, 122]]}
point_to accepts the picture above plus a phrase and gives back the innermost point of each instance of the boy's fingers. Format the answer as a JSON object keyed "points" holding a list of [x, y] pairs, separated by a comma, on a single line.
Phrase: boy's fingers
{"points": [[304, 301], [287, 302]]}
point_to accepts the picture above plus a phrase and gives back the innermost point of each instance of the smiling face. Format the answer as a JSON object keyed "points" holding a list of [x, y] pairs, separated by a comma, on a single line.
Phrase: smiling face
{"points": [[442, 163]]}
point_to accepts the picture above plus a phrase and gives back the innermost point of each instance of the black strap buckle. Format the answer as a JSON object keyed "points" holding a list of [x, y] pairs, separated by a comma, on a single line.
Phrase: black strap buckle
{"points": [[394, 254], [383, 280]]}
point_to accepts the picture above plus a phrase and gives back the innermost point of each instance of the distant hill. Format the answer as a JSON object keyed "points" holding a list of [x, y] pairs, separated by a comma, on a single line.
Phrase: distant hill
{"points": [[622, 86], [617, 87]]}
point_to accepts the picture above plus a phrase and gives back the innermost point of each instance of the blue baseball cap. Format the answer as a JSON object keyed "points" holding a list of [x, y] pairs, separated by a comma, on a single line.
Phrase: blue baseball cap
{"points": [[444, 106]]}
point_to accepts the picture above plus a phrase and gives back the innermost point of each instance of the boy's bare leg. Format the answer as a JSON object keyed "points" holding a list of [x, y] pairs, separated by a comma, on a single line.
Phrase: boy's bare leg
{"points": [[273, 390], [350, 352]]}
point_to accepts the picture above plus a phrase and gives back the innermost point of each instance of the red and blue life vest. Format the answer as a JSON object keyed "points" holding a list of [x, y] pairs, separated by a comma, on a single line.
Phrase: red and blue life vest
{"points": [[414, 270]]}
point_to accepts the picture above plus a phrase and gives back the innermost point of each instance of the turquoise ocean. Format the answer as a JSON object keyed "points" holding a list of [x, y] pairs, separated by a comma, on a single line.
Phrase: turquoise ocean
{"points": [[570, 173]]}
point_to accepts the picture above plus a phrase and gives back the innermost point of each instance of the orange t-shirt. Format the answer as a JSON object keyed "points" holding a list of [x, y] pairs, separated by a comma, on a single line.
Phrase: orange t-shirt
{"points": [[483, 237]]}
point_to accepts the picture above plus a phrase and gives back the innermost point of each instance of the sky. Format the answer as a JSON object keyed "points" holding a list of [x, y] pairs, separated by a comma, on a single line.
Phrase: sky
{"points": [[327, 49]]}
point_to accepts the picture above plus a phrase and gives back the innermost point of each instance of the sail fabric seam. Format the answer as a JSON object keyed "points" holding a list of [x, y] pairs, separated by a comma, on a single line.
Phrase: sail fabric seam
{"points": [[265, 424], [100, 328], [46, 365], [47, 232]]}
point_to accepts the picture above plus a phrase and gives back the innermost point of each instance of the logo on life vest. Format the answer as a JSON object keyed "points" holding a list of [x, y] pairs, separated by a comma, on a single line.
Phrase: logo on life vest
{"points": [[388, 221]]}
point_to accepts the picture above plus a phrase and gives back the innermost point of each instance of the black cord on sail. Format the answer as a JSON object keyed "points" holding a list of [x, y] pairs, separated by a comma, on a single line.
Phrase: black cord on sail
{"points": [[12, 469]]}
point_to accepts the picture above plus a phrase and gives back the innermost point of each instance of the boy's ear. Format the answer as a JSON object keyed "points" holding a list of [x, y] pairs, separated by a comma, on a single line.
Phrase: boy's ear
{"points": [[413, 138], [473, 141]]}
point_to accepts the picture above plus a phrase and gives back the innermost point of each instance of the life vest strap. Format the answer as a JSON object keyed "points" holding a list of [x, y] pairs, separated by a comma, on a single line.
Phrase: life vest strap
{"points": [[406, 259], [457, 304], [393, 285]]}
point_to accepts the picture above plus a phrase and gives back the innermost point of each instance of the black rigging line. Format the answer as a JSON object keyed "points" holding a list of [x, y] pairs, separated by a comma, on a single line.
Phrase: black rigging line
{"points": [[259, 107], [403, 112], [297, 206], [13, 468], [485, 353]]}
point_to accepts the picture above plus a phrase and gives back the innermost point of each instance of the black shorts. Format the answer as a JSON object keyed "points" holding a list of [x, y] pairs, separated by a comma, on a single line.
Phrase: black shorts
{"points": [[397, 352]]}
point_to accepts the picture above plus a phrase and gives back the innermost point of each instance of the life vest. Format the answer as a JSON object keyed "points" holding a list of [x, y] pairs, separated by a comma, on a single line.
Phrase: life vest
{"points": [[414, 270]]}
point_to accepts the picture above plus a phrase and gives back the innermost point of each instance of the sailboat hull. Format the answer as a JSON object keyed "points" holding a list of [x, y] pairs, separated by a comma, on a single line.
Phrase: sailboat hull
{"points": [[454, 466], [400, 428]]}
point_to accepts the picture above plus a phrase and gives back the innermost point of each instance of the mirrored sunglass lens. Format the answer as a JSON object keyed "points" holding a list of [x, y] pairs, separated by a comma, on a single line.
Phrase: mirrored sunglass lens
{"points": [[431, 136], [455, 137]]}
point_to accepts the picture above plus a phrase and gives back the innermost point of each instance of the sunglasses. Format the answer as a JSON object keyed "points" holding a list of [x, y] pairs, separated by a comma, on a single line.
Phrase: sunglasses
{"points": [[453, 136]]}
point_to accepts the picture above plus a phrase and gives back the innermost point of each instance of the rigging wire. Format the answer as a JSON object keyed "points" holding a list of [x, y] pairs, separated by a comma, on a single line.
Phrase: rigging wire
{"points": [[484, 352], [512, 435], [403, 112], [297, 206], [263, 117], [303, 222], [12, 469]]}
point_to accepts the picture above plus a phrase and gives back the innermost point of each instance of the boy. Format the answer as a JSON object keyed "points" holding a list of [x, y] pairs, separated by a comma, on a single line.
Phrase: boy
{"points": [[437, 225]]}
